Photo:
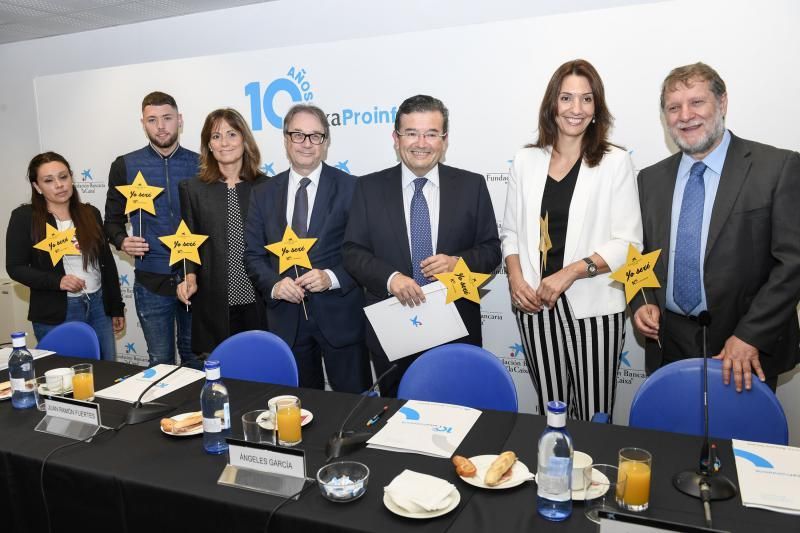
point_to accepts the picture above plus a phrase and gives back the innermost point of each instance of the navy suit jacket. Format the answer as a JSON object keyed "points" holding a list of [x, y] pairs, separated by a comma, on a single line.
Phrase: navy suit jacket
{"points": [[338, 312], [376, 242]]}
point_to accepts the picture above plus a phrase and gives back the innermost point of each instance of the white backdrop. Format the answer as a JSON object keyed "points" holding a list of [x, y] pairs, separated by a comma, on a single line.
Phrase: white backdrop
{"points": [[491, 76]]}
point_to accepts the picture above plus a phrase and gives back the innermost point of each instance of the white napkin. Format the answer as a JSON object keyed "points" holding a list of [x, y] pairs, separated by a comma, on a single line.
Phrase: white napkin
{"points": [[420, 493]]}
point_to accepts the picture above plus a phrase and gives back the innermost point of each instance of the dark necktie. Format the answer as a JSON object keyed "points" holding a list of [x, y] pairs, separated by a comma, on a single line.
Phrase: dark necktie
{"points": [[421, 244], [300, 215], [687, 284]]}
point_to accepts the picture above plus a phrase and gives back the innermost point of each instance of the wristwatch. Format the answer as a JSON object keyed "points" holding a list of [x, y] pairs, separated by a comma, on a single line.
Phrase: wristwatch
{"points": [[591, 268]]}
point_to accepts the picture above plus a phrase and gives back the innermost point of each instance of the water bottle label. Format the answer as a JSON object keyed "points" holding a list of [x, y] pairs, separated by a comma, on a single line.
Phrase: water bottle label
{"points": [[18, 384], [212, 425], [554, 480], [226, 416]]}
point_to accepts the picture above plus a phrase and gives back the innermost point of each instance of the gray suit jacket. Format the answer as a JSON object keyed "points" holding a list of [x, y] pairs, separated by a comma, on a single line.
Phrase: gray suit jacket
{"points": [[752, 259]]}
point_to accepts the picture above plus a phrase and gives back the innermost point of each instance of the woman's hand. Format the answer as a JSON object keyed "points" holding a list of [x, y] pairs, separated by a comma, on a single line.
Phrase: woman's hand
{"points": [[72, 283], [187, 288], [118, 323], [523, 296], [554, 286]]}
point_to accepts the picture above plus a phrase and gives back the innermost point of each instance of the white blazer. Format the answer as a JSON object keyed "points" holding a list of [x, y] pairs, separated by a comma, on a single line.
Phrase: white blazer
{"points": [[604, 217]]}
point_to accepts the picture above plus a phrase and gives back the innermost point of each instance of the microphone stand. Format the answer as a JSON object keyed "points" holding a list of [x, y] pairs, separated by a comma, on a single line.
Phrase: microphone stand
{"points": [[144, 412], [705, 483], [343, 442]]}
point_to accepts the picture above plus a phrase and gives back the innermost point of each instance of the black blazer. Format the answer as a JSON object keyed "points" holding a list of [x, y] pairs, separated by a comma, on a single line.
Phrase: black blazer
{"points": [[338, 312], [204, 208], [376, 241], [752, 259], [34, 268]]}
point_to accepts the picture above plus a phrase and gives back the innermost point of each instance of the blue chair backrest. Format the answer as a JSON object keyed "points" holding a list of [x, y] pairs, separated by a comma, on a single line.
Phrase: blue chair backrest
{"points": [[671, 399], [72, 339], [256, 356], [460, 374]]}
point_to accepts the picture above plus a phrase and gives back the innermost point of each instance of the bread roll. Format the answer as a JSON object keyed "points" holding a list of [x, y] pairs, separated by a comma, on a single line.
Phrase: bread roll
{"points": [[188, 423], [501, 465], [464, 466], [4, 386]]}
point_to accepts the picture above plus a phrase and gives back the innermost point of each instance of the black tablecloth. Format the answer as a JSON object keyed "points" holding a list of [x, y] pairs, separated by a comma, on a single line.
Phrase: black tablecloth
{"points": [[138, 479]]}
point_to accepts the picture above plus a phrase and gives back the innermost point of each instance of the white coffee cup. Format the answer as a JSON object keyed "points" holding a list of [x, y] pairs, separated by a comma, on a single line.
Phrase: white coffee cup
{"points": [[59, 380], [580, 461]]}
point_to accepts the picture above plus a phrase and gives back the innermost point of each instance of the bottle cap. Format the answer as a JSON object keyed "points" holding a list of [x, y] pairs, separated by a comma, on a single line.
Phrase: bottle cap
{"points": [[212, 369], [18, 339], [556, 414]]}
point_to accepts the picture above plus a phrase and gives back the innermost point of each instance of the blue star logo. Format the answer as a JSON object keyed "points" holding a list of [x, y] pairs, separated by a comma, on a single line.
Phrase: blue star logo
{"points": [[266, 168], [123, 280], [416, 323], [517, 349], [87, 174], [130, 347], [623, 358], [342, 165]]}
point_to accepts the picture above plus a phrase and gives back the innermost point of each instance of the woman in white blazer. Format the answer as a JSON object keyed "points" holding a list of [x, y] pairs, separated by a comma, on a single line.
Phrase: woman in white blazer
{"points": [[571, 316]]}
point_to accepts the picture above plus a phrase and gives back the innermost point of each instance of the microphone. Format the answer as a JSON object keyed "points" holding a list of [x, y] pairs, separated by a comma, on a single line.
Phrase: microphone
{"points": [[343, 442], [144, 412], [705, 483]]}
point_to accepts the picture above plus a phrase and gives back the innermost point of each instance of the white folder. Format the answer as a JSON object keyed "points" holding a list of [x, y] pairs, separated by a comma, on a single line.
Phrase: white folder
{"points": [[404, 330]]}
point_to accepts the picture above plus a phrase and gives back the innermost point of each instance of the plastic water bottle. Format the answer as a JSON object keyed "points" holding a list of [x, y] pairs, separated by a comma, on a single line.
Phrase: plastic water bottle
{"points": [[554, 474], [21, 374], [216, 409]]}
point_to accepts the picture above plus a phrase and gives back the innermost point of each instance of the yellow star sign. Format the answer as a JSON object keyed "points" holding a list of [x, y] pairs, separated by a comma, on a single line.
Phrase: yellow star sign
{"points": [[462, 283], [291, 250], [58, 243], [183, 244], [638, 272], [544, 239], [139, 195]]}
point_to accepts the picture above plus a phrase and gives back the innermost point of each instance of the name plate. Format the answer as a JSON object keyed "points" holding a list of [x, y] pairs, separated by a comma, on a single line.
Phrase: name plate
{"points": [[267, 458], [73, 410]]}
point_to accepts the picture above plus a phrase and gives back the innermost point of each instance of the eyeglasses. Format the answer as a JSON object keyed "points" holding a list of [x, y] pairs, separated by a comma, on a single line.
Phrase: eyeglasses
{"points": [[298, 137], [413, 135]]}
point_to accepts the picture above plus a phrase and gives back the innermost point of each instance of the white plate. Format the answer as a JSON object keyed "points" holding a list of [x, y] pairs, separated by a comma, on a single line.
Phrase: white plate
{"points": [[191, 433], [519, 473], [595, 491], [265, 419], [455, 498]]}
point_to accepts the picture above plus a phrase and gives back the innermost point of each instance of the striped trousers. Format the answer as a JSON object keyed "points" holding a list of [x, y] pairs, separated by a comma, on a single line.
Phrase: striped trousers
{"points": [[573, 360]]}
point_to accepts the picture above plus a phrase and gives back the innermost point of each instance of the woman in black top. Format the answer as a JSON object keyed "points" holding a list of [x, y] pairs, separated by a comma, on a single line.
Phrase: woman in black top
{"points": [[215, 204], [572, 211], [81, 287]]}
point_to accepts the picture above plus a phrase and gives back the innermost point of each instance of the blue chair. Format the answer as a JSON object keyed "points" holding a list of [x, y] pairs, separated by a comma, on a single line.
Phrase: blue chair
{"points": [[460, 374], [72, 339], [256, 356], [671, 399]]}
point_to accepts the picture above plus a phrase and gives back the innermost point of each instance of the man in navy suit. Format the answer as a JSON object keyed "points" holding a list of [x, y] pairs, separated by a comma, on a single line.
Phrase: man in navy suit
{"points": [[416, 219], [315, 199]]}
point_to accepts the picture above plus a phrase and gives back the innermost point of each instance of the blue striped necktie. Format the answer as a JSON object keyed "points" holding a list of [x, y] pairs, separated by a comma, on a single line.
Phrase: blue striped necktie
{"points": [[686, 289]]}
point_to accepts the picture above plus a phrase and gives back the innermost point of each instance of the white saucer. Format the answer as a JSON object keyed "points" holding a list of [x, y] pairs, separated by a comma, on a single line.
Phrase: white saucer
{"points": [[519, 473], [265, 419], [455, 499], [595, 491], [196, 431]]}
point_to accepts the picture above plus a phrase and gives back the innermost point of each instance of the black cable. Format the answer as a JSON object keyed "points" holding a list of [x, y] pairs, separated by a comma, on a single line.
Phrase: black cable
{"points": [[286, 500], [47, 457]]}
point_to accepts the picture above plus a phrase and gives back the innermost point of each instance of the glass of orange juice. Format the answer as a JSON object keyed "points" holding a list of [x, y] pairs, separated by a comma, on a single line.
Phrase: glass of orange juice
{"points": [[636, 463], [83, 382], [288, 417]]}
